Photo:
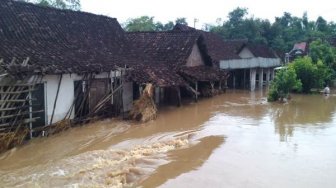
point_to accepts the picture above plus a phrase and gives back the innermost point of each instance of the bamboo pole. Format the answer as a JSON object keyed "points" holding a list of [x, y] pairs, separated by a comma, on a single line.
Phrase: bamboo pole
{"points": [[30, 114]]}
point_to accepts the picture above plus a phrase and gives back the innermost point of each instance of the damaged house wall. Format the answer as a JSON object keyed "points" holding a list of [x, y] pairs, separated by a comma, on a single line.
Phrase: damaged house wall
{"points": [[65, 50], [195, 58], [65, 96]]}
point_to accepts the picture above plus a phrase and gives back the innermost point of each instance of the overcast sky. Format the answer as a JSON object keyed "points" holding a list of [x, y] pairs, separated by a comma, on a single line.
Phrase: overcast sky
{"points": [[207, 11]]}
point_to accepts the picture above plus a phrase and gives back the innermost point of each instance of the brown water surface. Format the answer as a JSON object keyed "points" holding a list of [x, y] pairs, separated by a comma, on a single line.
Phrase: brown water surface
{"points": [[233, 140]]}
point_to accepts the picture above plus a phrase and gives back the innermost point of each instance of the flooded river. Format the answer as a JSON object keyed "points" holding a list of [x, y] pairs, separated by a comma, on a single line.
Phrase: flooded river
{"points": [[233, 140]]}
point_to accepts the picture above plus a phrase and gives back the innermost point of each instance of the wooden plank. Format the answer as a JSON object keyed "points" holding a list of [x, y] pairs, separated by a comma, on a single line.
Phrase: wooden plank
{"points": [[15, 92], [19, 114], [192, 90], [25, 121], [13, 108], [17, 85], [4, 124], [16, 100]]}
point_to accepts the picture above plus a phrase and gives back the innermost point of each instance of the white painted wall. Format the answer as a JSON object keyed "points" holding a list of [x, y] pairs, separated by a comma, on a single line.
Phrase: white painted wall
{"points": [[250, 63], [246, 53], [65, 96], [195, 58]]}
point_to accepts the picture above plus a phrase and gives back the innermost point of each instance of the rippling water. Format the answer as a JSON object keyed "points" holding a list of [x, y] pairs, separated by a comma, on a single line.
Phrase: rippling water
{"points": [[233, 140]]}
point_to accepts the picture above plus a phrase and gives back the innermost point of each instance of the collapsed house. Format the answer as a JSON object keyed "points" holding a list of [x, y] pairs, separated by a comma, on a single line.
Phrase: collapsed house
{"points": [[177, 63], [58, 65], [299, 50]]}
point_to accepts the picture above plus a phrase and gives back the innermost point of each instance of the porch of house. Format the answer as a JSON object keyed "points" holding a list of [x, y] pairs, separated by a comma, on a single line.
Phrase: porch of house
{"points": [[250, 73]]}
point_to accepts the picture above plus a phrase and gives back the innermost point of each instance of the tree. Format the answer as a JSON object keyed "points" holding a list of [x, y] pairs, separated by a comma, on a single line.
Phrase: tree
{"points": [[306, 71], [61, 4], [322, 51], [284, 82], [321, 24], [146, 23], [281, 35], [182, 21], [237, 15], [168, 26], [143, 23], [324, 74]]}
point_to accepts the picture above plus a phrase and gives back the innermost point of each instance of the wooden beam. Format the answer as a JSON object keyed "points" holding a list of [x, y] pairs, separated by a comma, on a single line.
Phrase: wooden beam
{"points": [[16, 100], [13, 108], [16, 85], [212, 87], [192, 89], [56, 97], [30, 114]]}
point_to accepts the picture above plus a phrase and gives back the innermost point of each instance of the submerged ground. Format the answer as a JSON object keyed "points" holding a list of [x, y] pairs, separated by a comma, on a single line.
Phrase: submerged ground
{"points": [[233, 140]]}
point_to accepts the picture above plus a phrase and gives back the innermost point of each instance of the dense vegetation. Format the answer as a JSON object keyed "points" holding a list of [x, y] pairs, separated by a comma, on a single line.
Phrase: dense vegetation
{"points": [[284, 82], [61, 4], [303, 74], [146, 23], [280, 35]]}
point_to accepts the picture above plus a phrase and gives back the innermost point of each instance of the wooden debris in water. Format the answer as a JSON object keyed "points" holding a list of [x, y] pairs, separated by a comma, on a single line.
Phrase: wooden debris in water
{"points": [[58, 127], [9, 140], [144, 109]]}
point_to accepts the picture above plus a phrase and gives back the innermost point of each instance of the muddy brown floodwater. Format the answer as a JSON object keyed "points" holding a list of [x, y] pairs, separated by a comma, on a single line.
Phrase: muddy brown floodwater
{"points": [[233, 140]]}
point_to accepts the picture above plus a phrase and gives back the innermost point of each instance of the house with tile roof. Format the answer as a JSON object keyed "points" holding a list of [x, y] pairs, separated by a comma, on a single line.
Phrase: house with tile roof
{"points": [[244, 61], [181, 53], [60, 64], [255, 64]]}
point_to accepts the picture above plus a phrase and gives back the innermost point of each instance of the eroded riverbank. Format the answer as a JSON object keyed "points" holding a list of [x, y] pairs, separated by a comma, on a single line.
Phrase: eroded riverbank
{"points": [[233, 140]]}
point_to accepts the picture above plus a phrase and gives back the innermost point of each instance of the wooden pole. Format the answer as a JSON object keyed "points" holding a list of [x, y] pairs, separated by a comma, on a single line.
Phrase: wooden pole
{"points": [[196, 88], [178, 96], [244, 78], [30, 113], [212, 88], [56, 97]]}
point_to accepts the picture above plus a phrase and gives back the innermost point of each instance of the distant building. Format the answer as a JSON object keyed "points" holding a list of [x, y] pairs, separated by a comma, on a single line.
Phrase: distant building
{"points": [[255, 64], [246, 63], [299, 50]]}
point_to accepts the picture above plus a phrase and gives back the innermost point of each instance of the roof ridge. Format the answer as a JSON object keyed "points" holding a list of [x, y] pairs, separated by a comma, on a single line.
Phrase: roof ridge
{"points": [[57, 9]]}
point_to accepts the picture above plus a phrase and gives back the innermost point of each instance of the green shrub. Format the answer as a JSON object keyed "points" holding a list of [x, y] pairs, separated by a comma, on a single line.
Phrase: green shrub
{"points": [[284, 82]]}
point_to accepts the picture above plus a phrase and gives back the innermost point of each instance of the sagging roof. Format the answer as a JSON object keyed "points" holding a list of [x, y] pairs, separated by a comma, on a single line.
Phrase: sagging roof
{"points": [[161, 55], [170, 51], [261, 50], [60, 41], [168, 48], [218, 48], [300, 48], [204, 73], [160, 76]]}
